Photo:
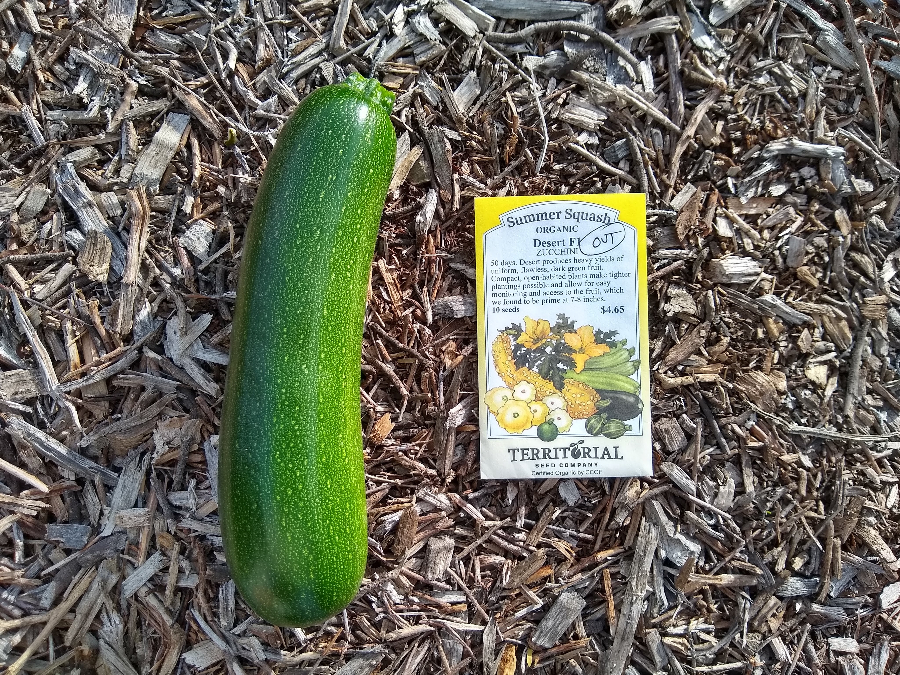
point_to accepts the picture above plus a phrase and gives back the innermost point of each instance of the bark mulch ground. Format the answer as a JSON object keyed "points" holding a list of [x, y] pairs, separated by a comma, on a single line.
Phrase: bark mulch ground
{"points": [[765, 134]]}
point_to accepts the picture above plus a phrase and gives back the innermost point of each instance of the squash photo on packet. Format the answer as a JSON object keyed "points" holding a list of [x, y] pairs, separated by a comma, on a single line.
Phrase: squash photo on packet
{"points": [[291, 477]]}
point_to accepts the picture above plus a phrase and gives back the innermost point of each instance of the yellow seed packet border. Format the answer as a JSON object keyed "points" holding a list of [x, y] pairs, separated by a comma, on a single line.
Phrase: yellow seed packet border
{"points": [[563, 346]]}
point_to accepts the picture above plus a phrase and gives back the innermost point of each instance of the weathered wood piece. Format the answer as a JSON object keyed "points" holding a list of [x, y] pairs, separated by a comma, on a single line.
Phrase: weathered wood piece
{"points": [[79, 197], [67, 535], [142, 574], [155, 158], [438, 557], [21, 384], [782, 310], [632, 603], [734, 270], [118, 21], [57, 452], [531, 10], [454, 306], [562, 614], [139, 208], [95, 256]]}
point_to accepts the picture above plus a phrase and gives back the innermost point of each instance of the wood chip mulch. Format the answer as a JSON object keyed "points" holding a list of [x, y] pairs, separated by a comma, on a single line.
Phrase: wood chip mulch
{"points": [[767, 138]]}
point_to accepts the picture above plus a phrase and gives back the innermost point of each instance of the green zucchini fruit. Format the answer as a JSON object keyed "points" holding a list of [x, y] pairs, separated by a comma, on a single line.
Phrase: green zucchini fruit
{"points": [[601, 380], [619, 405], [627, 369], [612, 358], [291, 478]]}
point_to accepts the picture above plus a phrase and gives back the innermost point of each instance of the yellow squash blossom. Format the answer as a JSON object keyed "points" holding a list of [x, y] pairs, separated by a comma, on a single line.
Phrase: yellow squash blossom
{"points": [[582, 341], [536, 333]]}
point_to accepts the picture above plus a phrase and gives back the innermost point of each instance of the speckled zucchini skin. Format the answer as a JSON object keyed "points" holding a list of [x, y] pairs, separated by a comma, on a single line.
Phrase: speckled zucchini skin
{"points": [[291, 479]]}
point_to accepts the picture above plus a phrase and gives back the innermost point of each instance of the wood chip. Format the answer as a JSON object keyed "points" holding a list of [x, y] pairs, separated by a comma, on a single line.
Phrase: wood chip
{"points": [[438, 558], [564, 611], [156, 157], [628, 616], [95, 256]]}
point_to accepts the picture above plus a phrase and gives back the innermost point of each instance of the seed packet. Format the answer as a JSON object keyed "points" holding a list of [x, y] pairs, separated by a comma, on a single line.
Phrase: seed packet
{"points": [[564, 379]]}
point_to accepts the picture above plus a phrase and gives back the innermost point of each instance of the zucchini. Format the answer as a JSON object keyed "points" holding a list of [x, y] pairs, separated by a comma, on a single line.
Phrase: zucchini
{"points": [[600, 379], [616, 356], [291, 477], [620, 405]]}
